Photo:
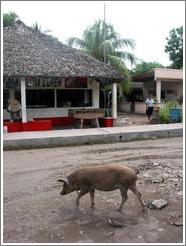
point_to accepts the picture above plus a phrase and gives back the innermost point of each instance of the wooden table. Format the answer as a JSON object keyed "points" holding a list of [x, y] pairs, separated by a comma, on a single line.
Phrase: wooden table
{"points": [[84, 114]]}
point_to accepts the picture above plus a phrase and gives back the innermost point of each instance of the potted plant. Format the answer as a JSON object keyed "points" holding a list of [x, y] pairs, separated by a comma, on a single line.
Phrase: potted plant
{"points": [[107, 120], [175, 112]]}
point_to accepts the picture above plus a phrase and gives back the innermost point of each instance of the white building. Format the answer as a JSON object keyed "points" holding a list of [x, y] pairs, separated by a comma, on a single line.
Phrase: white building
{"points": [[162, 83]]}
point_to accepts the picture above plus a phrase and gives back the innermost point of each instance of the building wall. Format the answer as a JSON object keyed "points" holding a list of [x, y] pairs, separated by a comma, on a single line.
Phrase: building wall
{"points": [[168, 74], [140, 108], [173, 90], [55, 111], [175, 86], [125, 106]]}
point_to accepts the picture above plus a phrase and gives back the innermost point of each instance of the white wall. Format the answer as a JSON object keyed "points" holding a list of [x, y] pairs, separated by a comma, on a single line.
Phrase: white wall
{"points": [[41, 113], [125, 106], [168, 74], [140, 108]]}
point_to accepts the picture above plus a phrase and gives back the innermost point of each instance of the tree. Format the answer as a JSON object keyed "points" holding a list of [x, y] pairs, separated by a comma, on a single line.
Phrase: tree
{"points": [[9, 18], [174, 47], [144, 67], [103, 43]]}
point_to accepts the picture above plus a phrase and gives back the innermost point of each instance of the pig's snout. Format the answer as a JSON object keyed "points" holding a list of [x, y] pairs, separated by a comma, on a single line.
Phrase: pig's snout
{"points": [[62, 193]]}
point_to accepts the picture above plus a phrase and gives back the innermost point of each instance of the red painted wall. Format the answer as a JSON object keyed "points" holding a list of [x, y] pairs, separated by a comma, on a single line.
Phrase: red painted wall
{"points": [[59, 121], [43, 125]]}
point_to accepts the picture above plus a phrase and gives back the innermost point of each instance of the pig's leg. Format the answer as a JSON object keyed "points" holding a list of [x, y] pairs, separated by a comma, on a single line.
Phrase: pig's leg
{"points": [[92, 197], [138, 194], [124, 196], [81, 193]]}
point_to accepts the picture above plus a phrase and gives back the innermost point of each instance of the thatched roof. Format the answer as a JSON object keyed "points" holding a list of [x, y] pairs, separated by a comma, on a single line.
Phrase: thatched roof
{"points": [[30, 53]]}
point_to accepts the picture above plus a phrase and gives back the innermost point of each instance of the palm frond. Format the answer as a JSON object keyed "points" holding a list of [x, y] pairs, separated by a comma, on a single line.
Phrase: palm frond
{"points": [[76, 42], [101, 37], [122, 43], [106, 48], [119, 65], [127, 56]]}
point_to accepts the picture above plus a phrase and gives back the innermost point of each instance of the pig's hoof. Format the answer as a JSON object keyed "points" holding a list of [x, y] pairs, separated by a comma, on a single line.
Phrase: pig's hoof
{"points": [[119, 210], [145, 210]]}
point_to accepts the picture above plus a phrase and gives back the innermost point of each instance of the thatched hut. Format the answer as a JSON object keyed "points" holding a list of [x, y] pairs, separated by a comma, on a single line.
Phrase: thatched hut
{"points": [[45, 74]]}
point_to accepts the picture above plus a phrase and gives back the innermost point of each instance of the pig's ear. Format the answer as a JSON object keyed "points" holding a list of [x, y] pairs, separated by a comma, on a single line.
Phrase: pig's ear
{"points": [[63, 180]]}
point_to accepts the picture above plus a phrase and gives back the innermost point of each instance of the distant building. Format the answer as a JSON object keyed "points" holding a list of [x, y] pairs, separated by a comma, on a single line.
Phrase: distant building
{"points": [[162, 83]]}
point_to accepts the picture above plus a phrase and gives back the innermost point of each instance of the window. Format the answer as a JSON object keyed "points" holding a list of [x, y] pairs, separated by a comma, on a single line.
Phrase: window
{"points": [[74, 98], [40, 98]]}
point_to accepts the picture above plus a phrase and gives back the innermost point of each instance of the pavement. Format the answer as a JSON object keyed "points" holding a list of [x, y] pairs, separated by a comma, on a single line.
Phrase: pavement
{"points": [[67, 137]]}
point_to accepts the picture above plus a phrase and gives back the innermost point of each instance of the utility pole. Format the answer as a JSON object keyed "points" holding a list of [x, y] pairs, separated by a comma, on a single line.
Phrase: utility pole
{"points": [[104, 52], [104, 34]]}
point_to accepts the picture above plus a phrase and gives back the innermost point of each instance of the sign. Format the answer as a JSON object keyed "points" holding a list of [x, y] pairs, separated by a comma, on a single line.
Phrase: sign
{"points": [[73, 83], [44, 82]]}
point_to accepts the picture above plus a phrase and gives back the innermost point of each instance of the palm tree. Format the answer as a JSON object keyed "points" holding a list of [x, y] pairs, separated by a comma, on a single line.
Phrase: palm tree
{"points": [[103, 43]]}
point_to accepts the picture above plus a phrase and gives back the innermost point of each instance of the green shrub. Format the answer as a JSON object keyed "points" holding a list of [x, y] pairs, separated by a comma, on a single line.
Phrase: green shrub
{"points": [[164, 115], [172, 104], [9, 19]]}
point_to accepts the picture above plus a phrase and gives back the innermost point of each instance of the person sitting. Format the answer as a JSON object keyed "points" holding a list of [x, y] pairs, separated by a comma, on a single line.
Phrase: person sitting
{"points": [[14, 109]]}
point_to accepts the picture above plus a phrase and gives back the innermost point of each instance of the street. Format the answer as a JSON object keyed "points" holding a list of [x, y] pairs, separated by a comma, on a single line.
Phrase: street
{"points": [[34, 211]]}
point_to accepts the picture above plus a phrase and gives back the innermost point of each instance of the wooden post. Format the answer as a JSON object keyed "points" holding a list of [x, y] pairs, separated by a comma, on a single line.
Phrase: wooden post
{"points": [[97, 122], [81, 124], [23, 100]]}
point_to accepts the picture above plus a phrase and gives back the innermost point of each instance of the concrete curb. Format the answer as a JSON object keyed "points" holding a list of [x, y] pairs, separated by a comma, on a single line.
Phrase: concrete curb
{"points": [[104, 137]]}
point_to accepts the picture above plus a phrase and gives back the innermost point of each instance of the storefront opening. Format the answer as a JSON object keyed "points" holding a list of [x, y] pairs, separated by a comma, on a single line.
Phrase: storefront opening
{"points": [[74, 98], [40, 98]]}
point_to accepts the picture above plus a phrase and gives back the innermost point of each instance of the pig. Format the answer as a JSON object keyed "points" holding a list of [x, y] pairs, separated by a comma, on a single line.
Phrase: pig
{"points": [[103, 178]]}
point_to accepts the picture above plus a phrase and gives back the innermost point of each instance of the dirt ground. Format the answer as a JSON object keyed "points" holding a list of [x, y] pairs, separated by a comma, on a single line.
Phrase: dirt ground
{"points": [[34, 211], [133, 119]]}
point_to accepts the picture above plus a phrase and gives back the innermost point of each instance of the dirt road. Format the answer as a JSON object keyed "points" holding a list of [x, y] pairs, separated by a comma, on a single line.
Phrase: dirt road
{"points": [[34, 212]]}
